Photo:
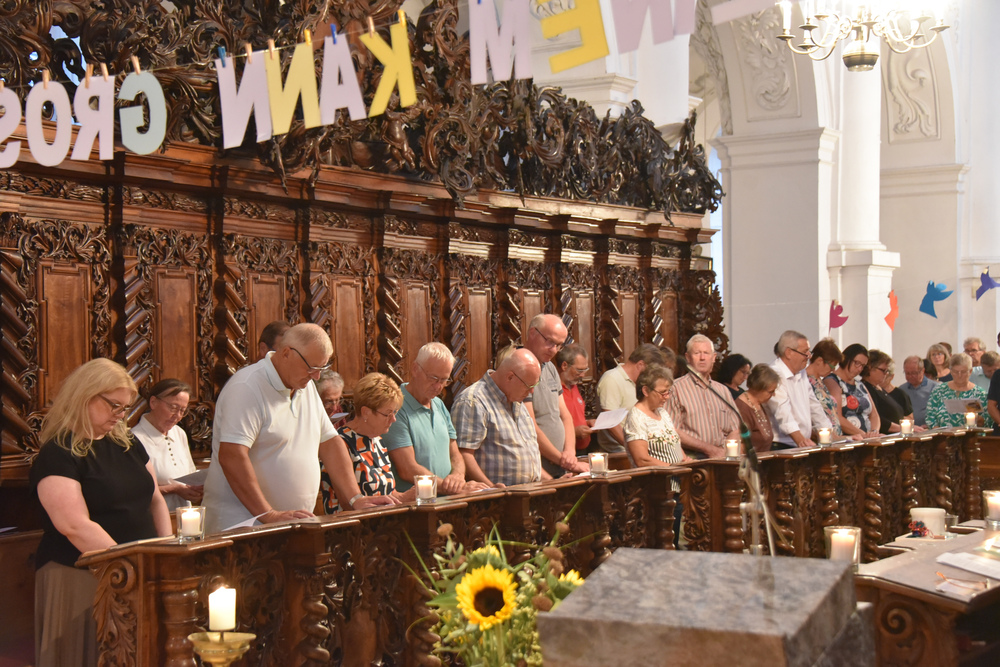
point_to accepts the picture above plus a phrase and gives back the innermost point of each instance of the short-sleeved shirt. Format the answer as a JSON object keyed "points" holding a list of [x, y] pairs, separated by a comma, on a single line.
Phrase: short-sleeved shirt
{"points": [[502, 434], [659, 434], [709, 415], [615, 391], [282, 430], [428, 431], [545, 401], [170, 454], [116, 486], [577, 410], [919, 396], [938, 414], [372, 468]]}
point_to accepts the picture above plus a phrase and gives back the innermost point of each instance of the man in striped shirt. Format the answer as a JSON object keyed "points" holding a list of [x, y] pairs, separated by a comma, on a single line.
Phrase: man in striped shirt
{"points": [[704, 418], [495, 433]]}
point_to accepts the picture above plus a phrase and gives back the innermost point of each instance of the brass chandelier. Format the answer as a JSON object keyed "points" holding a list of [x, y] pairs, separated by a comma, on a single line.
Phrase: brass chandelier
{"points": [[829, 22]]}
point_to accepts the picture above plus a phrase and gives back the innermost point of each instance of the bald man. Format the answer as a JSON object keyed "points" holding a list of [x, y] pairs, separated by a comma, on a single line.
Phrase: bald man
{"points": [[494, 431], [553, 421]]}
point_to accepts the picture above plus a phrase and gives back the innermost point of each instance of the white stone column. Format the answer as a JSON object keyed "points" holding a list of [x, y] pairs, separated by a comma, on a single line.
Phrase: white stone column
{"points": [[776, 227], [860, 268], [979, 224]]}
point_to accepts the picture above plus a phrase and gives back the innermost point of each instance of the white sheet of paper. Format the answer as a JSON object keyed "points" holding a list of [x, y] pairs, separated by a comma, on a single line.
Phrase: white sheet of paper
{"points": [[338, 416], [7, 529], [972, 563], [609, 419], [959, 406], [197, 478], [249, 523]]}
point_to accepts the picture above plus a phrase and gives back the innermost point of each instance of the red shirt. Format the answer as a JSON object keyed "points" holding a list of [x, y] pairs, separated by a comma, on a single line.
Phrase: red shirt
{"points": [[574, 403]]}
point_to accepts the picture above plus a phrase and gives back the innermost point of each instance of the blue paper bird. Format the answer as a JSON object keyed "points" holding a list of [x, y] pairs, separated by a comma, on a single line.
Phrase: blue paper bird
{"points": [[986, 283], [935, 292]]}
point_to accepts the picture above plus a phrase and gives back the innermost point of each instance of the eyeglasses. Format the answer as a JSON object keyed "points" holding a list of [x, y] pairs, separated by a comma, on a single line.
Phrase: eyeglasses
{"points": [[881, 369], [531, 387], [435, 378], [804, 354], [314, 369], [581, 371], [550, 342], [662, 394], [174, 409], [116, 408], [388, 415]]}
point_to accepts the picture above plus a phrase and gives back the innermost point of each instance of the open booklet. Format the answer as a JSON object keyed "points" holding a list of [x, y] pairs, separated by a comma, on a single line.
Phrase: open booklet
{"points": [[197, 478], [609, 419], [959, 406]]}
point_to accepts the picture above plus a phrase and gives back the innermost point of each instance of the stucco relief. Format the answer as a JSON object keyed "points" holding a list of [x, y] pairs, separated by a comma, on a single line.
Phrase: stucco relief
{"points": [[911, 91], [705, 42], [767, 67]]}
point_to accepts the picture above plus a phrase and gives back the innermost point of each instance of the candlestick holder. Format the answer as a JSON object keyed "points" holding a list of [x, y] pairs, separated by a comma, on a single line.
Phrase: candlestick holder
{"points": [[991, 509], [598, 464], [426, 489], [221, 648], [843, 543], [190, 523]]}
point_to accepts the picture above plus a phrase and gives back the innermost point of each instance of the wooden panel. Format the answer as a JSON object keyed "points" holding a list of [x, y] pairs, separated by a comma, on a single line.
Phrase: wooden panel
{"points": [[584, 325], [17, 590], [670, 329], [630, 323], [480, 331], [532, 302], [348, 329], [266, 301], [65, 295], [417, 324], [176, 326]]}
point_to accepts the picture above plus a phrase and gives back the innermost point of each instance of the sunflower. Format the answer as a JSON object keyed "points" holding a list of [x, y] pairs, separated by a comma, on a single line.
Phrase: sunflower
{"points": [[572, 577], [486, 596]]}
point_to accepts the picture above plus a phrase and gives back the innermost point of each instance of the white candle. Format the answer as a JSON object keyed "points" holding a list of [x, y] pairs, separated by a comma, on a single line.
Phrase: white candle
{"points": [[786, 14], [993, 506], [824, 436], [598, 463], [425, 487], [905, 426], [222, 609], [970, 419], [842, 544], [732, 449], [190, 523]]}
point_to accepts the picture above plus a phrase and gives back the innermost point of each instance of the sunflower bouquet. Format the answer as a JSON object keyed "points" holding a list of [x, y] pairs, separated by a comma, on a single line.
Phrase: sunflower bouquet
{"points": [[487, 608]]}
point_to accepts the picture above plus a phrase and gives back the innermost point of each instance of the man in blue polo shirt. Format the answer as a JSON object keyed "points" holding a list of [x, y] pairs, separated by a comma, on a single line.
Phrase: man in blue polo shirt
{"points": [[422, 440]]}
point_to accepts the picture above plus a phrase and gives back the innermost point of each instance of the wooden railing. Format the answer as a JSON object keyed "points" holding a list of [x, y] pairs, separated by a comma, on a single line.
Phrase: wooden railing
{"points": [[871, 484], [336, 589]]}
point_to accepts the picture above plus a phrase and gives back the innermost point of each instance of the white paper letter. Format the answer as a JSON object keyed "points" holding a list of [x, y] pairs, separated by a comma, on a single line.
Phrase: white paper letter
{"points": [[483, 39], [131, 118], [236, 104], [96, 123], [44, 153], [337, 65], [8, 123]]}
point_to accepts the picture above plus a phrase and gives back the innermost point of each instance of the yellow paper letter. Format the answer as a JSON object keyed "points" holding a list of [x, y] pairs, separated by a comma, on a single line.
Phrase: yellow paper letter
{"points": [[300, 82], [585, 16], [397, 66]]}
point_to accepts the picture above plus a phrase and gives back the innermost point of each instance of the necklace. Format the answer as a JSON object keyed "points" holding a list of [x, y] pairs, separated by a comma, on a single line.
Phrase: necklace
{"points": [[758, 413]]}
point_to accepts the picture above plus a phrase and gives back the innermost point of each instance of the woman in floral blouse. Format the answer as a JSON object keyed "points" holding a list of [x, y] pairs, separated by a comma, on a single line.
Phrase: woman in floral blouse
{"points": [[825, 358], [959, 387], [376, 400]]}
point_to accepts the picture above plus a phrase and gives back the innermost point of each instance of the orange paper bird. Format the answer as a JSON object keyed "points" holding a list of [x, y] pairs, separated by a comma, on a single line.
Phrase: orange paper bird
{"points": [[837, 317], [890, 319]]}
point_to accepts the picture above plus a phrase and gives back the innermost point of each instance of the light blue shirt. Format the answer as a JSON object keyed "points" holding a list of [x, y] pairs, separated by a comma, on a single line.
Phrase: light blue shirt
{"points": [[919, 396], [428, 431]]}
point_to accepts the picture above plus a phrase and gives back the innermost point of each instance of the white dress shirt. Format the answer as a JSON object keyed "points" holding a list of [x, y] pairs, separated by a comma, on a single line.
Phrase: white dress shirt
{"points": [[794, 406]]}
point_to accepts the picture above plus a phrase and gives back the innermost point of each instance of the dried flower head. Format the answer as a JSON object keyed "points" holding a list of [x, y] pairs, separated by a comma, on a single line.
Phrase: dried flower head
{"points": [[541, 603], [553, 553], [445, 529], [556, 567], [563, 528]]}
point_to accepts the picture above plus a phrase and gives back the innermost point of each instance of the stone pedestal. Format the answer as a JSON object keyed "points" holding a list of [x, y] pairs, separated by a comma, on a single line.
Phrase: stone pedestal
{"points": [[645, 607]]}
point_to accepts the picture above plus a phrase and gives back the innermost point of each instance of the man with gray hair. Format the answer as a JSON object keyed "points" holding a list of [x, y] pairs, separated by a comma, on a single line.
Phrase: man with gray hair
{"points": [[974, 347], [553, 422], [269, 430], [330, 386], [422, 439], [703, 410], [495, 433], [795, 411], [918, 387]]}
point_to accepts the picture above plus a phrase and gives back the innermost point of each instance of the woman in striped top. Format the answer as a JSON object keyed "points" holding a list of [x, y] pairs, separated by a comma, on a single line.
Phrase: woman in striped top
{"points": [[649, 432]]}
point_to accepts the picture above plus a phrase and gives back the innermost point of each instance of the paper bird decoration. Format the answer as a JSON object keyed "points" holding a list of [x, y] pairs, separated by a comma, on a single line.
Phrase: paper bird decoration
{"points": [[935, 292], [890, 319], [837, 317], [986, 283]]}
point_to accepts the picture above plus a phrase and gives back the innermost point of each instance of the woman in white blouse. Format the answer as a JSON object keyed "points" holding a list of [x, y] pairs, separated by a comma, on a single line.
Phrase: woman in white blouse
{"points": [[166, 443], [650, 435]]}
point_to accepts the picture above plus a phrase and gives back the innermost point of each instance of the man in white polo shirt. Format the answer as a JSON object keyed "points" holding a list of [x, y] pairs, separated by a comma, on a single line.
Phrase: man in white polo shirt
{"points": [[269, 432]]}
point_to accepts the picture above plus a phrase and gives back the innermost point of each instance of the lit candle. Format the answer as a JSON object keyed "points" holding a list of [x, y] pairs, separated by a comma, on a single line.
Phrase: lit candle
{"points": [[222, 609], [842, 545], [732, 449], [598, 463], [905, 426], [970, 419], [824, 436], [993, 506], [190, 523], [425, 487]]}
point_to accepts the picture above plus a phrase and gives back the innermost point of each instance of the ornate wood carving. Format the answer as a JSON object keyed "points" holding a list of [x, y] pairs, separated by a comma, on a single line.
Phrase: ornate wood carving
{"points": [[180, 619], [401, 272], [697, 524], [116, 606], [872, 530], [478, 275], [701, 310]]}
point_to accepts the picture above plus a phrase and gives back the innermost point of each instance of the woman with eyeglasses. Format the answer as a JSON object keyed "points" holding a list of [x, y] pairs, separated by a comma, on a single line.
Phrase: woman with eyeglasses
{"points": [[650, 436], [376, 400], [825, 358], [959, 387], [97, 488], [874, 375], [857, 414], [762, 382], [167, 443]]}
